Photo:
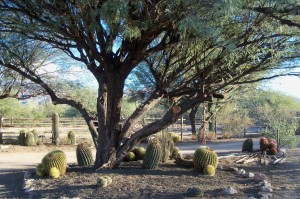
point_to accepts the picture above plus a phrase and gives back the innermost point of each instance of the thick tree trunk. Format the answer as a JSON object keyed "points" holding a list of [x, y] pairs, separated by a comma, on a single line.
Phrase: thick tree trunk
{"points": [[109, 104], [192, 116]]}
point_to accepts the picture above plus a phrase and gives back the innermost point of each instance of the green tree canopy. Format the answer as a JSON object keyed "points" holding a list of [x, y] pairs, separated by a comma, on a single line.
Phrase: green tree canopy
{"points": [[192, 49]]}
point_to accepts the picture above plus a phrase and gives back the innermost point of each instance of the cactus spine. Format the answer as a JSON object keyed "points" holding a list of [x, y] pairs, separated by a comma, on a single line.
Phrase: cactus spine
{"points": [[71, 137], [204, 157], [56, 159], [84, 155], [29, 139], [55, 129], [153, 155]]}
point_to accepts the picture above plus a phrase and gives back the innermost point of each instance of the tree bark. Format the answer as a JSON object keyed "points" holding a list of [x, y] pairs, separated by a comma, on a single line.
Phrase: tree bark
{"points": [[109, 104]]}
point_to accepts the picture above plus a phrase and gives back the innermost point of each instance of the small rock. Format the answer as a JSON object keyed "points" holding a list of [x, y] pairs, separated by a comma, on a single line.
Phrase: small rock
{"points": [[27, 184], [230, 190], [266, 189], [233, 169], [251, 197], [264, 195], [242, 172], [29, 189], [140, 161], [250, 175], [266, 183], [220, 166], [259, 177]]}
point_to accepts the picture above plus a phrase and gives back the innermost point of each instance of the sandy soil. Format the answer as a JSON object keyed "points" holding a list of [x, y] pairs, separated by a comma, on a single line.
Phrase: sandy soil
{"points": [[131, 181]]}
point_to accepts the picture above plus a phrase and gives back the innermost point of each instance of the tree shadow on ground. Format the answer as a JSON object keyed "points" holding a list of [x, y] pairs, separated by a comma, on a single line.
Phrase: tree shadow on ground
{"points": [[11, 184]]}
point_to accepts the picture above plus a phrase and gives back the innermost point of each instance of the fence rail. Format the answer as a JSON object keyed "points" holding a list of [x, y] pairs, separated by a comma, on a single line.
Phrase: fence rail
{"points": [[66, 122], [42, 122]]}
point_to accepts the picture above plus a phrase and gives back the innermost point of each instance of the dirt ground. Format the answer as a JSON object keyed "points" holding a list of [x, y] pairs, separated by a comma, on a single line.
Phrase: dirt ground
{"points": [[168, 181]]}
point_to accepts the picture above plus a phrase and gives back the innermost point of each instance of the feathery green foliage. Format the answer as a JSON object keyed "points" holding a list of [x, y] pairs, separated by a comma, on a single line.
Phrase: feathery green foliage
{"points": [[190, 49]]}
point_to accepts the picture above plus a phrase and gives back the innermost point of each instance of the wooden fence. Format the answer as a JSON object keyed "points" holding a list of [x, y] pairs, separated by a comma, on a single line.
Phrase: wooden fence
{"points": [[41, 122]]}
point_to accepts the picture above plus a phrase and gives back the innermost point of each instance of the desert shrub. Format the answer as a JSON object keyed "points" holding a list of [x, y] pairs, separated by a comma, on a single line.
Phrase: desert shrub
{"points": [[227, 135], [283, 129], [210, 135]]}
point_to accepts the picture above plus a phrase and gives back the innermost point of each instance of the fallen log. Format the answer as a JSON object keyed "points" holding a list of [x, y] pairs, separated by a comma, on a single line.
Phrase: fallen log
{"points": [[184, 163], [248, 159]]}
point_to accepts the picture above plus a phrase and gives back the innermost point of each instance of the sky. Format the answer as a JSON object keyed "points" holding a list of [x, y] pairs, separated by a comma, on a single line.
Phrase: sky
{"points": [[287, 85]]}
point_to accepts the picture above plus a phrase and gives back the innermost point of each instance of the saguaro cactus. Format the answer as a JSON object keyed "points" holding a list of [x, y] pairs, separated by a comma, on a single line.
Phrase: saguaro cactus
{"points": [[55, 129]]}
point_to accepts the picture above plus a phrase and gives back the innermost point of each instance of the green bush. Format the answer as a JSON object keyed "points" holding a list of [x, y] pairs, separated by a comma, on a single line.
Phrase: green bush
{"points": [[283, 129]]}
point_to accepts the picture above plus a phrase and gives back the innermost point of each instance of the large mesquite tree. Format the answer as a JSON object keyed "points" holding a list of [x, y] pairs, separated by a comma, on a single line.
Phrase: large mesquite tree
{"points": [[192, 49]]}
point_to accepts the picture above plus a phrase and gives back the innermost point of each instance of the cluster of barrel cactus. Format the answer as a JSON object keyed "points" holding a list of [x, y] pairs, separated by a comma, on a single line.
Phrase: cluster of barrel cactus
{"points": [[54, 164], [104, 181], [84, 155], [137, 153], [248, 145], [28, 139], [269, 146], [203, 157]]}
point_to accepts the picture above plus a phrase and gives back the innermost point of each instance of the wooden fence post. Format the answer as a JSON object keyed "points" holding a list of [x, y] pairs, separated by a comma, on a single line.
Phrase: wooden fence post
{"points": [[1, 121], [181, 128]]}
